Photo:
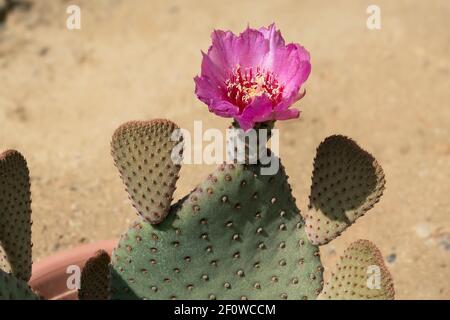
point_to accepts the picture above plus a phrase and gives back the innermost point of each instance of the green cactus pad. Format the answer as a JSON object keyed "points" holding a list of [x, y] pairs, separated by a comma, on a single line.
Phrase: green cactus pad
{"points": [[12, 288], [361, 274], [95, 278], [142, 153], [15, 215], [347, 181], [238, 235]]}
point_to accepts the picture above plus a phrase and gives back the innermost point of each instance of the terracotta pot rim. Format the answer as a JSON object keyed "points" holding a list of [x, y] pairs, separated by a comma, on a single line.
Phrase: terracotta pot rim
{"points": [[49, 275]]}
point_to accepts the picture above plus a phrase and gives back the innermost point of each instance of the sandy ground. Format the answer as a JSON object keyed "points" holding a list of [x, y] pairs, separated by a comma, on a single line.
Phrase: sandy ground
{"points": [[62, 94]]}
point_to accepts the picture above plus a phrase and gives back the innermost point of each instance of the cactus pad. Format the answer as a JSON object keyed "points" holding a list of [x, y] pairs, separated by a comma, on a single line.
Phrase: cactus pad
{"points": [[356, 275], [347, 181], [12, 288], [142, 153], [238, 235], [15, 215], [95, 277]]}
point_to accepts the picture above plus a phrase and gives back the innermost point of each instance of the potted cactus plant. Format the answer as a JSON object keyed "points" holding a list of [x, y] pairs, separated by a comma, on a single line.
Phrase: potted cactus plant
{"points": [[239, 234]]}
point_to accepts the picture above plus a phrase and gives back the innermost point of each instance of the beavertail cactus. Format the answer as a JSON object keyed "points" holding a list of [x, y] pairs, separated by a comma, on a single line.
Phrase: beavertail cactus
{"points": [[94, 280], [15, 215], [15, 227], [239, 234], [359, 259], [142, 153], [346, 182]]}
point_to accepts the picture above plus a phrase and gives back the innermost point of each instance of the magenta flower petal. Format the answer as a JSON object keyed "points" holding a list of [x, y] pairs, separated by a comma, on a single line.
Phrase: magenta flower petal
{"points": [[253, 77], [228, 50], [287, 114], [259, 110], [224, 109], [291, 65], [208, 92], [274, 36]]}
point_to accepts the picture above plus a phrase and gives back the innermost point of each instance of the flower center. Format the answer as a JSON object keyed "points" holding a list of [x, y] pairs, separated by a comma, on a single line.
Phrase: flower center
{"points": [[244, 85]]}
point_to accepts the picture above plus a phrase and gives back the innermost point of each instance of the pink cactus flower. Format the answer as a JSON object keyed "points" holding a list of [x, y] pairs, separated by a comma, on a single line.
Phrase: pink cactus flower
{"points": [[254, 77]]}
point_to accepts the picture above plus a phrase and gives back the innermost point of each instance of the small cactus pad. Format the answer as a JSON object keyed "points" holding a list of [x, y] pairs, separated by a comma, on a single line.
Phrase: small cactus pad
{"points": [[361, 274], [142, 152], [12, 288], [346, 182], [239, 235], [15, 215], [95, 278]]}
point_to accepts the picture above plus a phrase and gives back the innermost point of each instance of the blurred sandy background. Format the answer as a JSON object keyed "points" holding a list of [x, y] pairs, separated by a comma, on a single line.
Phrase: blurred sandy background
{"points": [[62, 94]]}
